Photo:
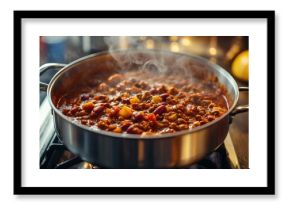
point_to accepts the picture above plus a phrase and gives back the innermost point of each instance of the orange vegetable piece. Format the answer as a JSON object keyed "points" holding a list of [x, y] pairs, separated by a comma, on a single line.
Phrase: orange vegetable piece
{"points": [[88, 106]]}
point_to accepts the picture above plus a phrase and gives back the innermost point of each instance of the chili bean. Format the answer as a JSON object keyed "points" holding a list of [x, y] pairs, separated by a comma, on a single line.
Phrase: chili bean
{"points": [[159, 117], [162, 89], [211, 105], [146, 96], [173, 108], [117, 98], [138, 84], [191, 109], [162, 103], [206, 102], [103, 87], [103, 98], [164, 96], [173, 91], [90, 122], [180, 95], [153, 125], [210, 118], [97, 110], [180, 121], [139, 96], [137, 106], [144, 125], [165, 122], [133, 129], [161, 125], [125, 124], [201, 110], [203, 121], [173, 126], [159, 110], [126, 101], [152, 108], [138, 116], [183, 126], [81, 113], [84, 97], [196, 123], [74, 110], [114, 111], [115, 79], [153, 91], [180, 107], [171, 100], [215, 110], [145, 105], [112, 127], [121, 86], [102, 125], [195, 98], [117, 130], [107, 105], [65, 111], [126, 95], [198, 117], [142, 85]]}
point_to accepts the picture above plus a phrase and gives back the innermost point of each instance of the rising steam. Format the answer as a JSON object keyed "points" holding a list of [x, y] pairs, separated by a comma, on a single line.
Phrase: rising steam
{"points": [[157, 60]]}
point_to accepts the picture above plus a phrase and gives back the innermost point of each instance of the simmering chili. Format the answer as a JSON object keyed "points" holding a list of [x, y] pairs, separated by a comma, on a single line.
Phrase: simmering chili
{"points": [[145, 104]]}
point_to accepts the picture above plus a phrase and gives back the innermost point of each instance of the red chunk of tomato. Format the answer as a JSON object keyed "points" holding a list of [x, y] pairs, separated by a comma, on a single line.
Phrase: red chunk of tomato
{"points": [[151, 117]]}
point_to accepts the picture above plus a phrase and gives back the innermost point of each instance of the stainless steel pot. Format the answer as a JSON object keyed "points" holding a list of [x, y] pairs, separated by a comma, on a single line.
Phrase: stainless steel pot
{"points": [[112, 150]]}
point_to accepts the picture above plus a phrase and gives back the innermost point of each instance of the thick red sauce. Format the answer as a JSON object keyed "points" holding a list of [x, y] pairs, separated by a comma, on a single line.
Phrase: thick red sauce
{"points": [[146, 104]]}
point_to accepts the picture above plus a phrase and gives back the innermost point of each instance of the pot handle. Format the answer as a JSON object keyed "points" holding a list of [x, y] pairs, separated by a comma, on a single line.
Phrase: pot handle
{"points": [[241, 108], [45, 67]]}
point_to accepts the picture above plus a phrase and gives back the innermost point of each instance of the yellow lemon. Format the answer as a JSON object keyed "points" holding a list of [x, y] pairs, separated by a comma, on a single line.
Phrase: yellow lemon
{"points": [[240, 66]]}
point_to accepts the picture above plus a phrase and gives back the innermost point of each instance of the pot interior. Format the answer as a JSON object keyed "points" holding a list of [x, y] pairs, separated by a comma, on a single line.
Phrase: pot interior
{"points": [[93, 69]]}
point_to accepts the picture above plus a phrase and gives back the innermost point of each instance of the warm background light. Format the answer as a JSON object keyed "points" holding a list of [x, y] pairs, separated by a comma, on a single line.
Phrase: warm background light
{"points": [[212, 51], [149, 44], [173, 38], [185, 41], [174, 47]]}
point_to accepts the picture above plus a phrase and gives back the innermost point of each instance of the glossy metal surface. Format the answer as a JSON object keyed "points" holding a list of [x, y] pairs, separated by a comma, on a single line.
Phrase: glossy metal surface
{"points": [[123, 152], [44, 68], [113, 150]]}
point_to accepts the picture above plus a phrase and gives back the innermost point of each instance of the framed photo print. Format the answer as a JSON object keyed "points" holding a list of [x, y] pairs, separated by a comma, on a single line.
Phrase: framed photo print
{"points": [[144, 102]]}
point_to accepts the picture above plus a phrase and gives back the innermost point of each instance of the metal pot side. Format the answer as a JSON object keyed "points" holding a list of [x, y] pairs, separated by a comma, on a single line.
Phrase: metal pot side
{"points": [[168, 152]]}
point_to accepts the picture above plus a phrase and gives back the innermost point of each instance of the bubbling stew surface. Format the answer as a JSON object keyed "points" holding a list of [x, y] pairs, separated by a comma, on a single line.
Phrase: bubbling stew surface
{"points": [[144, 103]]}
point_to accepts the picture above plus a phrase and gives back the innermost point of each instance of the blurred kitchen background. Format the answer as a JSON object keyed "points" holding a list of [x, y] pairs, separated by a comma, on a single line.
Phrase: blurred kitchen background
{"points": [[230, 52]]}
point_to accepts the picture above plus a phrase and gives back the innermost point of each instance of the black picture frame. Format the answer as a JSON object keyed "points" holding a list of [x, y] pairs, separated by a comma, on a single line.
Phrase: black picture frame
{"points": [[268, 190]]}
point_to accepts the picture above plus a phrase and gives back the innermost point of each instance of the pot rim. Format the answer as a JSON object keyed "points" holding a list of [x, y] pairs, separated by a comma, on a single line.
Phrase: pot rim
{"points": [[135, 136]]}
